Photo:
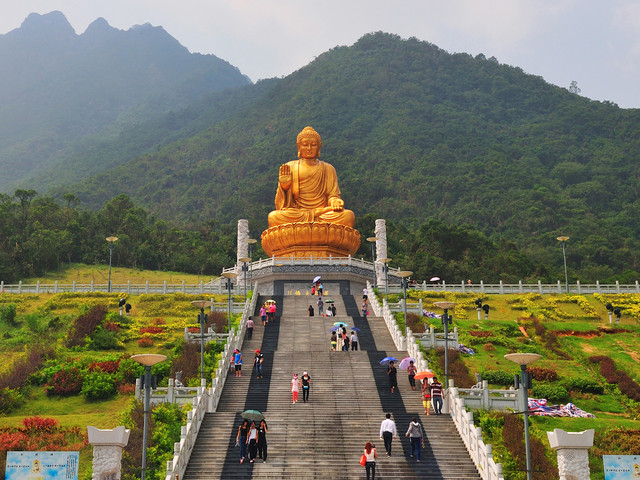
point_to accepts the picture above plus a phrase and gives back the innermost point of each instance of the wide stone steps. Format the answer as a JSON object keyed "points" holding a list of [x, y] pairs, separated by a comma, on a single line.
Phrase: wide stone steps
{"points": [[349, 395]]}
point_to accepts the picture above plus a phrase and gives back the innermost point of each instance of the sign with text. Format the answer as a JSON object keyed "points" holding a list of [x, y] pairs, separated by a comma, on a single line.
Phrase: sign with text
{"points": [[42, 466], [621, 467]]}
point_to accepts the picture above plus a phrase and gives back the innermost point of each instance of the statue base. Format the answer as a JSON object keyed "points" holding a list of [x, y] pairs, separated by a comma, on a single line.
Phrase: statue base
{"points": [[307, 239]]}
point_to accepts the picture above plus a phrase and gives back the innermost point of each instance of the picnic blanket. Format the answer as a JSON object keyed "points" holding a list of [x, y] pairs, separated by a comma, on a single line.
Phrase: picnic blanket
{"points": [[540, 407], [464, 349], [429, 314]]}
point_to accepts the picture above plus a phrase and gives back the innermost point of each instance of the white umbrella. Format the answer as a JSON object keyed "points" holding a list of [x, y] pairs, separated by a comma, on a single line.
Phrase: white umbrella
{"points": [[434, 279], [316, 279]]}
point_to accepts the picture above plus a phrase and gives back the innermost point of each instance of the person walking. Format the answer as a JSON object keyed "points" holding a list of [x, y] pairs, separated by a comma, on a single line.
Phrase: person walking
{"points": [[320, 289], [426, 396], [411, 370], [252, 442], [271, 313], [370, 465], [365, 295], [354, 341], [364, 309], [262, 440], [250, 326], [310, 310], [388, 432], [333, 309], [257, 363], [295, 386], [393, 377], [320, 307], [436, 395], [263, 314], [305, 380], [334, 341], [241, 438], [237, 360], [414, 432]]}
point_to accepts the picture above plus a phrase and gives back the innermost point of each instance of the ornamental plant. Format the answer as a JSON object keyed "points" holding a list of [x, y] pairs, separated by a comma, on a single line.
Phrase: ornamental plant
{"points": [[65, 382], [98, 386]]}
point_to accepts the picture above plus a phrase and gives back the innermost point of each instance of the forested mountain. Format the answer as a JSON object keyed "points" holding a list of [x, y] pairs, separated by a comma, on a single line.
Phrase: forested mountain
{"points": [[417, 133], [64, 94]]}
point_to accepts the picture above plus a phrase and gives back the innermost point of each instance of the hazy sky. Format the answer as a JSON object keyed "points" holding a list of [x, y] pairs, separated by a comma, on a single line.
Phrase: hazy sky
{"points": [[594, 42]]}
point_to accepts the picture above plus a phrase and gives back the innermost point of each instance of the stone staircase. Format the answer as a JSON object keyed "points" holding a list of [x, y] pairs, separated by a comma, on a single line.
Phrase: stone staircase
{"points": [[349, 396]]}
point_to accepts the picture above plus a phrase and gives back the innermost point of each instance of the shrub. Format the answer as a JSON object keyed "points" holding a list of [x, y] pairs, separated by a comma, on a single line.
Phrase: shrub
{"points": [[85, 325], [608, 370], [553, 393], [67, 381], [10, 399], [514, 441], [23, 368], [109, 366], [151, 330], [128, 371], [145, 342], [542, 374], [98, 386], [8, 314], [104, 339], [584, 385], [498, 377], [457, 369], [489, 347]]}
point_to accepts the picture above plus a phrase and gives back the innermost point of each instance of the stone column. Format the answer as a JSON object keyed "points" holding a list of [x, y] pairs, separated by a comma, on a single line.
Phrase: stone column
{"points": [[572, 450], [243, 246], [107, 451], [381, 248]]}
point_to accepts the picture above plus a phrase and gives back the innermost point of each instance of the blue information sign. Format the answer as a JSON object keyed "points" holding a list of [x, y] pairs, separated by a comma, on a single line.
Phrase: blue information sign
{"points": [[621, 467], [42, 466]]}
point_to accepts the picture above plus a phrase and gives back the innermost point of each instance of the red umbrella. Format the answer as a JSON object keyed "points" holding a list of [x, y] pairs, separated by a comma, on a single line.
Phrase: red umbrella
{"points": [[421, 375]]}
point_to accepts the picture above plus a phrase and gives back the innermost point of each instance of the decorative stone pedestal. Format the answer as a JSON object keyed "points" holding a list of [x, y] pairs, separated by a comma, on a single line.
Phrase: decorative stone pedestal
{"points": [[572, 449], [107, 451], [310, 239]]}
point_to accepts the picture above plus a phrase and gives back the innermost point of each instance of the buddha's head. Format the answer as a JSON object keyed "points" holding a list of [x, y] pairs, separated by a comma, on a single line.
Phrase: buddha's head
{"points": [[309, 143]]}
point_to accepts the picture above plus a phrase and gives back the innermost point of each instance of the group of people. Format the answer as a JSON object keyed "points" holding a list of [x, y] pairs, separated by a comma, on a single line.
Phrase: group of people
{"points": [[252, 440], [303, 382], [340, 341], [317, 288], [268, 313], [258, 360], [431, 391]]}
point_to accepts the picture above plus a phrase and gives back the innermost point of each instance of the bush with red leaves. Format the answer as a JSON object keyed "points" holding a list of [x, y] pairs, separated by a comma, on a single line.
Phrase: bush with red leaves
{"points": [[67, 381], [110, 366], [608, 370], [145, 342], [85, 325], [542, 374], [151, 330]]}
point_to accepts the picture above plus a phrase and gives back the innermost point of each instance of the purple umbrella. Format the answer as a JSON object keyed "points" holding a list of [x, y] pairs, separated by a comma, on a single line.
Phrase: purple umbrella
{"points": [[404, 363]]}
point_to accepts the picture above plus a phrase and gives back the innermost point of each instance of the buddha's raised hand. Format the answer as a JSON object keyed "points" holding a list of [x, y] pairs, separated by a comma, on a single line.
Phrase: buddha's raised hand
{"points": [[284, 176]]}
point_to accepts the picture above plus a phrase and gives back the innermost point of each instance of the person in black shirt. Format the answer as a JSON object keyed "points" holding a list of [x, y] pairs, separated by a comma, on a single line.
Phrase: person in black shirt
{"points": [[305, 386], [393, 377]]}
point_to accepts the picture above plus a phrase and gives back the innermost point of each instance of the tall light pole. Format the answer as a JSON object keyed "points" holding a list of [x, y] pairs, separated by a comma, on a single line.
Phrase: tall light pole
{"points": [[251, 242], [563, 240], [245, 267], [148, 360], [202, 318], [404, 274], [524, 359], [372, 241], [111, 241], [229, 276], [385, 267], [446, 321]]}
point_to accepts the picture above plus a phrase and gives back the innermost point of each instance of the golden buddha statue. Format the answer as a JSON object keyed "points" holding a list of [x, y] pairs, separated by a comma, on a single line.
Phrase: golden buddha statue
{"points": [[310, 218]]}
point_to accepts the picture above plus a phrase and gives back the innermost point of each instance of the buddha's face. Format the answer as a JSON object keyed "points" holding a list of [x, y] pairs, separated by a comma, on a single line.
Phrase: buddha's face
{"points": [[308, 148]]}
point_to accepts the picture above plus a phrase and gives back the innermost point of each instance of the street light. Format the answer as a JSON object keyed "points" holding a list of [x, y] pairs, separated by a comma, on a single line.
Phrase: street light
{"points": [[229, 276], [202, 318], [385, 268], [372, 241], [251, 242], [446, 321], [111, 240], [563, 240], [524, 359], [245, 267], [404, 274], [148, 360]]}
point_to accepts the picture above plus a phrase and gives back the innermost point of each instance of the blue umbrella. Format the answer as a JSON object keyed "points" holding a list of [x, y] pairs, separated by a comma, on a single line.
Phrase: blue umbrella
{"points": [[355, 329], [336, 328], [386, 360]]}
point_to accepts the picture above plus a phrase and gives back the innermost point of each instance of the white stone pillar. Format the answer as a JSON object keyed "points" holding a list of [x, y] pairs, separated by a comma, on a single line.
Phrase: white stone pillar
{"points": [[107, 451], [381, 249], [572, 450], [243, 246]]}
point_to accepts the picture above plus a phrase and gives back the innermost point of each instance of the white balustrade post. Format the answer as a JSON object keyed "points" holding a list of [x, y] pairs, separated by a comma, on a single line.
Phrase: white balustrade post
{"points": [[107, 451], [572, 450]]}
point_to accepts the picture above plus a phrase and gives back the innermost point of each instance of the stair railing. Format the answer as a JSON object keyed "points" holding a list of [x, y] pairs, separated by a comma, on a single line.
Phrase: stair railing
{"points": [[480, 453], [207, 399], [384, 312]]}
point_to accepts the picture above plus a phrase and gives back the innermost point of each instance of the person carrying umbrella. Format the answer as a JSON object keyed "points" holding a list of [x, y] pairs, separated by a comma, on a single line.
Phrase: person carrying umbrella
{"points": [[411, 370], [393, 376], [241, 438], [426, 396], [252, 441]]}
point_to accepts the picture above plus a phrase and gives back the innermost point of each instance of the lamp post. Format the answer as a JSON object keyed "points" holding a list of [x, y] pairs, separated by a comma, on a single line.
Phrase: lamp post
{"points": [[524, 359], [563, 240], [148, 360], [446, 321], [245, 268], [372, 241], [404, 274], [385, 267], [111, 240], [202, 318], [251, 242], [229, 276]]}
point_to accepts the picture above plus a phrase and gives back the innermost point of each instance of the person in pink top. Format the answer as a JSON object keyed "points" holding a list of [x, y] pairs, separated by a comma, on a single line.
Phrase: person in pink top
{"points": [[263, 315], [295, 386]]}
